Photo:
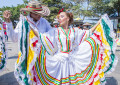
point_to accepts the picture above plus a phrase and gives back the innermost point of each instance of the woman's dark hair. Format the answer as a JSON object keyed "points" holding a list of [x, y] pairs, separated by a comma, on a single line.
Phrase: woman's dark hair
{"points": [[70, 15]]}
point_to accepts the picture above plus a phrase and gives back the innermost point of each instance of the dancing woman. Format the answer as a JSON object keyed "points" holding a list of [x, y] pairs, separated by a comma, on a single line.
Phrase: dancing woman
{"points": [[3, 55], [73, 56]]}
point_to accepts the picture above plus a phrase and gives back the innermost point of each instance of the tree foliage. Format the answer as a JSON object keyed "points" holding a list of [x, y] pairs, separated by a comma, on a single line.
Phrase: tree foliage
{"points": [[54, 6], [15, 11], [82, 8], [79, 8], [95, 7], [111, 7]]}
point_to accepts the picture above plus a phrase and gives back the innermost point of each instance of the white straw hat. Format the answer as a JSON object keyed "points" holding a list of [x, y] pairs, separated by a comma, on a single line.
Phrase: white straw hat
{"points": [[37, 8]]}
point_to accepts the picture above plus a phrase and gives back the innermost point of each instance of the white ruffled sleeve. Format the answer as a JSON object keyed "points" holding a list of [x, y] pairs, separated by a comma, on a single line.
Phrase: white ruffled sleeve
{"points": [[47, 40], [81, 35]]}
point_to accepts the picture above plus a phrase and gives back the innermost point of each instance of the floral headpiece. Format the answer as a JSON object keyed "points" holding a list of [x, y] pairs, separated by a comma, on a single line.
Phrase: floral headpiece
{"points": [[62, 10]]}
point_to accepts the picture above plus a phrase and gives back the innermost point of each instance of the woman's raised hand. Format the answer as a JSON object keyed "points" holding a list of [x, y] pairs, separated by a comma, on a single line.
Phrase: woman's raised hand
{"points": [[94, 27]]}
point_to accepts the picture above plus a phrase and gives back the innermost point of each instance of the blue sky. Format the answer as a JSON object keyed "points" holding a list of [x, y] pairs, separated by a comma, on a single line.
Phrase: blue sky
{"points": [[10, 2]]}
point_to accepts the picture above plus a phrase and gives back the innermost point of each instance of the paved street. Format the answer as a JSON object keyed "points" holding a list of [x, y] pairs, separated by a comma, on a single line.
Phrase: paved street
{"points": [[7, 76], [114, 78]]}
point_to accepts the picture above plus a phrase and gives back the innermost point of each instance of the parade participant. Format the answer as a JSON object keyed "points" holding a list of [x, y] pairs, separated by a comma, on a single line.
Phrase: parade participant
{"points": [[23, 35], [5, 33], [36, 11], [73, 56], [3, 56]]}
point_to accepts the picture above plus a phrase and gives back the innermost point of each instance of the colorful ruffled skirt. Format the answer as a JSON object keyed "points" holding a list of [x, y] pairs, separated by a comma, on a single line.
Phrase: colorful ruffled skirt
{"points": [[2, 52]]}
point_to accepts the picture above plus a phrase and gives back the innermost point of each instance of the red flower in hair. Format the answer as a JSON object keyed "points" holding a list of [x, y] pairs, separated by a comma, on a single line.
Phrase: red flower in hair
{"points": [[27, 6], [62, 10]]}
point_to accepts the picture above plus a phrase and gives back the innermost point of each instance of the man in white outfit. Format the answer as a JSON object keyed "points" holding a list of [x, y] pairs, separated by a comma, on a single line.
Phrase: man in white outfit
{"points": [[34, 18], [36, 11]]}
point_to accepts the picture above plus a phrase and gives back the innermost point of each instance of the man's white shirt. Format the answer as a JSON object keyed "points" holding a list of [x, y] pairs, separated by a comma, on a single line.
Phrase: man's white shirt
{"points": [[42, 26]]}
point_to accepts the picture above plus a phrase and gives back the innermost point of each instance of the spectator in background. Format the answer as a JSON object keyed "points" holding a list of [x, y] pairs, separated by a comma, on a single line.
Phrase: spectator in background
{"points": [[4, 28]]}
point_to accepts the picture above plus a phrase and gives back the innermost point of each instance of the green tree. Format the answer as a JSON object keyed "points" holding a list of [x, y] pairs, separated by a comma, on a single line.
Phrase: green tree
{"points": [[111, 7], [82, 8], [15, 11], [25, 2], [95, 8], [54, 6]]}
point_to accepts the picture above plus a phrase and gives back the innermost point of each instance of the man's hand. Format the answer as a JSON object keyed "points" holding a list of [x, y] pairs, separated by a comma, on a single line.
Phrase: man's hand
{"points": [[7, 15]]}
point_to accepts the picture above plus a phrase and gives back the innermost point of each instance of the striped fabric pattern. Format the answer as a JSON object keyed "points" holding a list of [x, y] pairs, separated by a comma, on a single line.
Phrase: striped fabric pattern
{"points": [[3, 50]]}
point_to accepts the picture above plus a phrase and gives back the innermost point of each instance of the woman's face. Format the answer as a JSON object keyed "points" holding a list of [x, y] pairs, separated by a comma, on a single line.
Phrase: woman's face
{"points": [[63, 19]]}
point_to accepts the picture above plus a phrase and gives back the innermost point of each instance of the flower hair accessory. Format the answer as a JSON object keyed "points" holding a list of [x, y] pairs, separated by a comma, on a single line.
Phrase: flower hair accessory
{"points": [[62, 10]]}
